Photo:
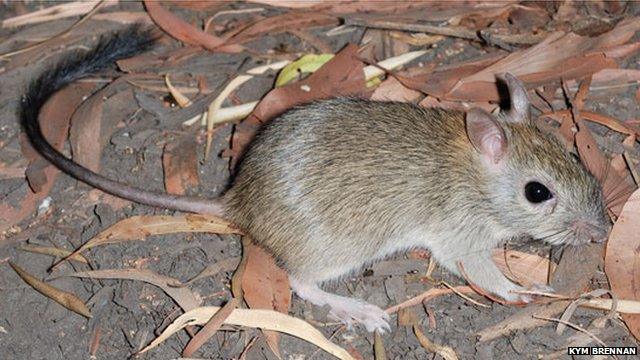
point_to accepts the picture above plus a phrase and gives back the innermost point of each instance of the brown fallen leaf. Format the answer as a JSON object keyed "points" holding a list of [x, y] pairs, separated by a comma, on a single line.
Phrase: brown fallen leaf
{"points": [[180, 165], [621, 259], [438, 82], [263, 319], [379, 353], [614, 185], [85, 132], [139, 227], [392, 90], [53, 251], [211, 6], [265, 286], [210, 328], [66, 299], [90, 130], [525, 269], [96, 336], [184, 297], [185, 32], [340, 76], [604, 120]]}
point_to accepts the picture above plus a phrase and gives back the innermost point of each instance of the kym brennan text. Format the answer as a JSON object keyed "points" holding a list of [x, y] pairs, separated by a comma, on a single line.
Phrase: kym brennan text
{"points": [[602, 350]]}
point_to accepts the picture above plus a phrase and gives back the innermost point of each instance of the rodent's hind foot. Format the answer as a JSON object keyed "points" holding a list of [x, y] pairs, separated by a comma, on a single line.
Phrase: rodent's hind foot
{"points": [[345, 309], [349, 310]]}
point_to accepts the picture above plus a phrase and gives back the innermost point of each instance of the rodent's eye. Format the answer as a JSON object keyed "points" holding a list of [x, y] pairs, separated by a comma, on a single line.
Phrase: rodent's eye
{"points": [[536, 192]]}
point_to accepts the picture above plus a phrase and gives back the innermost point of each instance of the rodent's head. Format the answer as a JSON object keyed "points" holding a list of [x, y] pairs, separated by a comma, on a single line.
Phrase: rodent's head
{"points": [[535, 185]]}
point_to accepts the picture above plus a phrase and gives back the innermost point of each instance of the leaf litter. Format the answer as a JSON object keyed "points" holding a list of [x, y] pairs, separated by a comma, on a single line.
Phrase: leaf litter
{"points": [[542, 59]]}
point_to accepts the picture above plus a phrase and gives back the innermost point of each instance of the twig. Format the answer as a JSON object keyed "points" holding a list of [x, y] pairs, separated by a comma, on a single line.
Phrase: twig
{"points": [[427, 295], [507, 42], [464, 296], [453, 31], [498, 40]]}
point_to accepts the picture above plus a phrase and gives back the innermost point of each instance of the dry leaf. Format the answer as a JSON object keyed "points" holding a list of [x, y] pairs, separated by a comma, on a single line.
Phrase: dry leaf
{"points": [[139, 227], [265, 286], [379, 353], [263, 319], [210, 328], [53, 251], [85, 134], [185, 32], [63, 298], [621, 260], [180, 165], [179, 97], [392, 90], [525, 269]]}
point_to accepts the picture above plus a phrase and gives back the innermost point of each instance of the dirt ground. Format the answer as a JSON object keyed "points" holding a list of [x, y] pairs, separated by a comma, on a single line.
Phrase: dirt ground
{"points": [[127, 315]]}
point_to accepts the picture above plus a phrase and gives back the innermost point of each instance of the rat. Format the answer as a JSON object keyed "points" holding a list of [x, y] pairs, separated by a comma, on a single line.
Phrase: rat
{"points": [[332, 186]]}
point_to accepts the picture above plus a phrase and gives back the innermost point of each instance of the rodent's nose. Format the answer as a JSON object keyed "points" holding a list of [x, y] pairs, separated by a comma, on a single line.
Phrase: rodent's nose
{"points": [[595, 233]]}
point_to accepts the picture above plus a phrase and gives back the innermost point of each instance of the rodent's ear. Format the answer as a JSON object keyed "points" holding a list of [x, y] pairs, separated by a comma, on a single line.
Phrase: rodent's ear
{"points": [[486, 135], [520, 106]]}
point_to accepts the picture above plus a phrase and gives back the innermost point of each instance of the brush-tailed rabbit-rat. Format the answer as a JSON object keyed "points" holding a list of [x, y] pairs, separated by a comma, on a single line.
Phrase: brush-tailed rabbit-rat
{"points": [[334, 185]]}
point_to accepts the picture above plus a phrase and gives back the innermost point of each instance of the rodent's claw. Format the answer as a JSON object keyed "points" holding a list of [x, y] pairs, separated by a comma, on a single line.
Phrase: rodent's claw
{"points": [[371, 316]]}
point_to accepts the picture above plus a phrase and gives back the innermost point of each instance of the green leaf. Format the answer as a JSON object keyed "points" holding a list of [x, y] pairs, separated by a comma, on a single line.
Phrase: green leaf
{"points": [[307, 64]]}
